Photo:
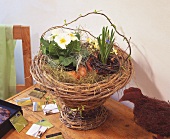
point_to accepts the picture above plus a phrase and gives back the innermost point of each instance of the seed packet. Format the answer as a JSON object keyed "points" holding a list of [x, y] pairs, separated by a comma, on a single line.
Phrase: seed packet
{"points": [[24, 101], [18, 121], [37, 106], [50, 109], [36, 130], [45, 123], [55, 136], [38, 93]]}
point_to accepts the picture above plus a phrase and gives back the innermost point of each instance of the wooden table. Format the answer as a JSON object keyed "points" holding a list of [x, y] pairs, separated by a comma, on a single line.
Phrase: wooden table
{"points": [[119, 124]]}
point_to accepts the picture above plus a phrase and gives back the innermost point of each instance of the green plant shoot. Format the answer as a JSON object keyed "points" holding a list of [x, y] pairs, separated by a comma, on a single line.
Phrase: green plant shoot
{"points": [[105, 41]]}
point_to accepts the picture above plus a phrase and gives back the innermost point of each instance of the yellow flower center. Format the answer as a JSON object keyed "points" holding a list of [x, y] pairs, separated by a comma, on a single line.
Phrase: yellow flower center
{"points": [[71, 35], [62, 40]]}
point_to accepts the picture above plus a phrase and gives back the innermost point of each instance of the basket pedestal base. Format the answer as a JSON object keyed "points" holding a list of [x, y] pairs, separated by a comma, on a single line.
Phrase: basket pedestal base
{"points": [[83, 120]]}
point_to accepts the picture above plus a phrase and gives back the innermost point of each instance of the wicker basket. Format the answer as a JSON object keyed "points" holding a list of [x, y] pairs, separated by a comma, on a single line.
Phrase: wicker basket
{"points": [[87, 98]]}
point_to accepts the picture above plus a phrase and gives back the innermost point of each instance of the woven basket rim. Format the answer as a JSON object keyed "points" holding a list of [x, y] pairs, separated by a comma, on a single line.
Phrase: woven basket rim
{"points": [[91, 84]]}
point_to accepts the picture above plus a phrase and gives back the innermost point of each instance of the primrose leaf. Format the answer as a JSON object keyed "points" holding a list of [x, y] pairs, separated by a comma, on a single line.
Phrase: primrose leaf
{"points": [[43, 49], [65, 61]]}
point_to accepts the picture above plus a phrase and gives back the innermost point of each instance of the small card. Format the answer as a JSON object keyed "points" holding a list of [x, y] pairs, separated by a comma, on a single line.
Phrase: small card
{"points": [[38, 93], [50, 108], [36, 130], [37, 106], [45, 123], [18, 121], [24, 101], [55, 136]]}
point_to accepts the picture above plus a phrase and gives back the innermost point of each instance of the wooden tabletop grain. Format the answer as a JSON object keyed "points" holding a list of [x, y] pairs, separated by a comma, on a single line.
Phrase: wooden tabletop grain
{"points": [[119, 124]]}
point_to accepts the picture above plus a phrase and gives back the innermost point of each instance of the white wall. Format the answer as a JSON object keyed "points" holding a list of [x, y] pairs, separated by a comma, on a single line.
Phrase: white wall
{"points": [[147, 22]]}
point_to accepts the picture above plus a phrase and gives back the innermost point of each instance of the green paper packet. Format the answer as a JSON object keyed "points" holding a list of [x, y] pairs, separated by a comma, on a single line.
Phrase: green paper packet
{"points": [[18, 121], [45, 123], [37, 93]]}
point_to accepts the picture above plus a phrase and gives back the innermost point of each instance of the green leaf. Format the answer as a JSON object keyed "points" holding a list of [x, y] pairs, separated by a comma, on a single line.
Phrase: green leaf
{"points": [[105, 41], [65, 23], [56, 61], [76, 46], [44, 42], [73, 109], [65, 61], [43, 49], [44, 45], [84, 52], [95, 11], [53, 63], [78, 35], [114, 26], [52, 50], [82, 107], [59, 107], [73, 47], [81, 113]]}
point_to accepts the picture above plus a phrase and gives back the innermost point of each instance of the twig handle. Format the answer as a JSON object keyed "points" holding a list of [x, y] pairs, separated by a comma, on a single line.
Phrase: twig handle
{"points": [[97, 13]]}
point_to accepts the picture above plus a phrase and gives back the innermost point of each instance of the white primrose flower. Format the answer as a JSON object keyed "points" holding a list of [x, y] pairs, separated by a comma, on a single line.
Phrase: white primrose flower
{"points": [[50, 38], [62, 40], [73, 37], [54, 33]]}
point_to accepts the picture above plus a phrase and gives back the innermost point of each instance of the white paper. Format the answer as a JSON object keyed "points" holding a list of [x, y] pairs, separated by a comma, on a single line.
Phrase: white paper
{"points": [[50, 108], [36, 130]]}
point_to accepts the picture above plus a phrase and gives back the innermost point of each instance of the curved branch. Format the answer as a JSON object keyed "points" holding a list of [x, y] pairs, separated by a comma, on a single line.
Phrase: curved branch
{"points": [[98, 13]]}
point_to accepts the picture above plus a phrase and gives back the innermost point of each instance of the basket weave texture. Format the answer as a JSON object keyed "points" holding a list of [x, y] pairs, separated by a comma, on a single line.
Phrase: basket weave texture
{"points": [[90, 96], [77, 95], [87, 97]]}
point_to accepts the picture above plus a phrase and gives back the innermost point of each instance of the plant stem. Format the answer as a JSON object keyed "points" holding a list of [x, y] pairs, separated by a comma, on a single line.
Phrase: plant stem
{"points": [[98, 13]]}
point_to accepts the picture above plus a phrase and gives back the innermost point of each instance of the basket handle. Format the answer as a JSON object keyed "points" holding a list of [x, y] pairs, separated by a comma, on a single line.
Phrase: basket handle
{"points": [[97, 13]]}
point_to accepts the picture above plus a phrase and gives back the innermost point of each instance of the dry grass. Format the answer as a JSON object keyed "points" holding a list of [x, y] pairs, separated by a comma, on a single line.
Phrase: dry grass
{"points": [[61, 75]]}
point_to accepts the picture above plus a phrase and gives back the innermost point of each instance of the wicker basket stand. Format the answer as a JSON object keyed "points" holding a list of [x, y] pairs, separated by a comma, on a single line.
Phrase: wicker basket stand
{"points": [[81, 105]]}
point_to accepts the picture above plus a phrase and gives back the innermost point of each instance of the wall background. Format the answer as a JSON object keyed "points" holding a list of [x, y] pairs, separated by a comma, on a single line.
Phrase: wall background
{"points": [[146, 22]]}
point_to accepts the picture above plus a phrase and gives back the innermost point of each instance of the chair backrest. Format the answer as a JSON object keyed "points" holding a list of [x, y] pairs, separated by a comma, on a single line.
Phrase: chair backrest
{"points": [[23, 33]]}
